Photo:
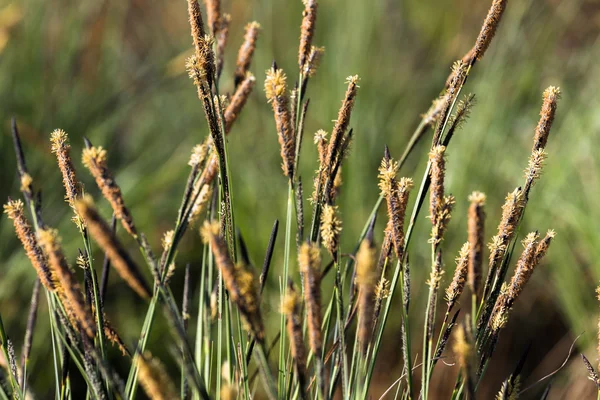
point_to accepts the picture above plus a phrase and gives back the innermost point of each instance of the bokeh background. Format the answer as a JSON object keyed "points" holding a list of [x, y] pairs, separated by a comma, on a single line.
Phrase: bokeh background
{"points": [[113, 71]]}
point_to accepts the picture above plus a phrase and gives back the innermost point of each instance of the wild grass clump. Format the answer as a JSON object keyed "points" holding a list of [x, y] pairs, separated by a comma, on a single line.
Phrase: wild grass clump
{"points": [[335, 302]]}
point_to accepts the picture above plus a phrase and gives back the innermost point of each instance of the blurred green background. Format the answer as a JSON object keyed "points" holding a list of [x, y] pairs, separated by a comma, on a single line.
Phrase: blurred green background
{"points": [[113, 71]]}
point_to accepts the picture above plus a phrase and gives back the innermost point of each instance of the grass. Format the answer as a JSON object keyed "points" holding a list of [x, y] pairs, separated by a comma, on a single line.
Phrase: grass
{"points": [[150, 197]]}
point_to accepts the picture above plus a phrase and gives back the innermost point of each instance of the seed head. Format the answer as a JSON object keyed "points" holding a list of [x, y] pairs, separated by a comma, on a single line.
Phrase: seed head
{"points": [[154, 378], [551, 96], [476, 230], [331, 227], [307, 30], [246, 51], [309, 260], [488, 30], [457, 285]]}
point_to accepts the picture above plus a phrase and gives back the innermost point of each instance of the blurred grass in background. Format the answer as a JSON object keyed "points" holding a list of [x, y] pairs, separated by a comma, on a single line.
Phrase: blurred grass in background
{"points": [[113, 71]]}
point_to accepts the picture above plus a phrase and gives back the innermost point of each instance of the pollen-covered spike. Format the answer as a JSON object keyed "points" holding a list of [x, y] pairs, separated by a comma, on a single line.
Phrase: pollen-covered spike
{"points": [[438, 172], [524, 269], [457, 285], [94, 159], [275, 90], [66, 282], [114, 250], [196, 24], [14, 210], [307, 31], [476, 230], [246, 51], [488, 30], [547, 113], [62, 150], [239, 280], [313, 61], [331, 227], [343, 121]]}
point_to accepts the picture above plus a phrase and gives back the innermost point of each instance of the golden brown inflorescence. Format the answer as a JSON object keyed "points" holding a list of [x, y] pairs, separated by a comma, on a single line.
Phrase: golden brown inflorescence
{"points": [[331, 227], [488, 30], [313, 61], [238, 100], [476, 231], [154, 378], [396, 194], [342, 122], [309, 260], [213, 15], [14, 210], [94, 159], [366, 280], [457, 285], [114, 250], [239, 280], [275, 89], [244, 58], [307, 31], [438, 173], [547, 113], [62, 150], [65, 282]]}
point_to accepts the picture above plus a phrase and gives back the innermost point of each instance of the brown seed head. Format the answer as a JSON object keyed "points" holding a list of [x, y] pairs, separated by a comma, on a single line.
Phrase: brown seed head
{"points": [[438, 172], [314, 60], [331, 227], [343, 120], [293, 312], [14, 210], [66, 283], [196, 25], [366, 281], [309, 260], [476, 230], [213, 15], [551, 96], [524, 270], [534, 168], [242, 92], [275, 89], [307, 30], [154, 378], [94, 159], [543, 246], [463, 347], [62, 149], [114, 250], [246, 51], [222, 36], [457, 285], [488, 30]]}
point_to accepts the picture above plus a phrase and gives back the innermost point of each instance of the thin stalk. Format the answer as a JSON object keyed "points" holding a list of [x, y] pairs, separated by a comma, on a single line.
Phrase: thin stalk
{"points": [[286, 263]]}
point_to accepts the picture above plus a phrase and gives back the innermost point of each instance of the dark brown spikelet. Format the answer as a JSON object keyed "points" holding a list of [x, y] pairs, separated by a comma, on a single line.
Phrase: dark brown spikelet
{"points": [[154, 378], [307, 31], [114, 250], [592, 374], [14, 210], [309, 260], [366, 281], [396, 195], [342, 122], [239, 280], [66, 283], [275, 89], [457, 285], [94, 159], [62, 150], [238, 100], [551, 96], [293, 311], [438, 173], [488, 30], [244, 58], [476, 231], [213, 15]]}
